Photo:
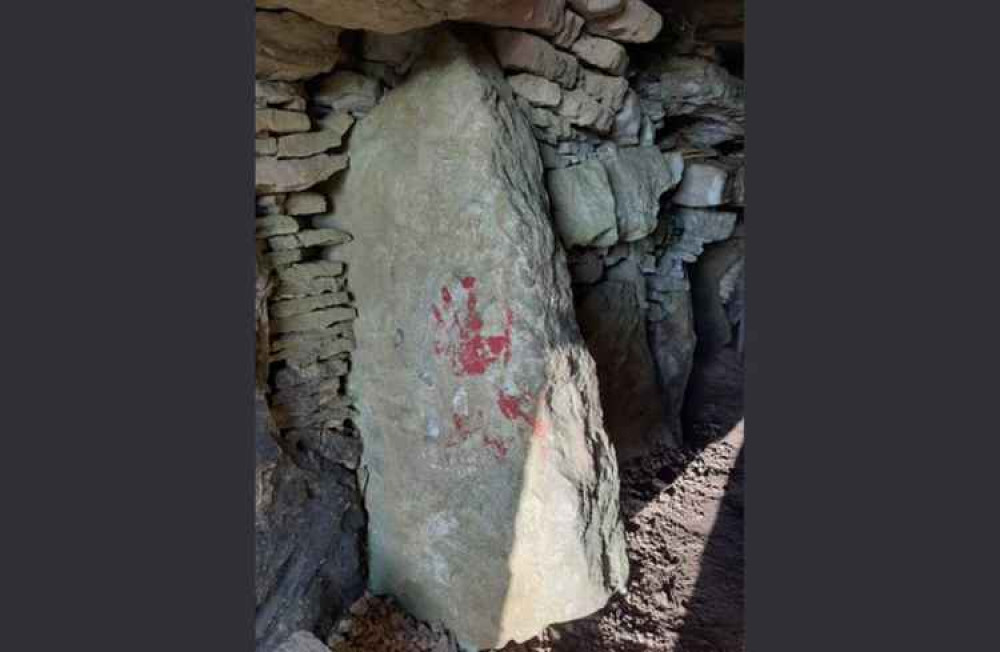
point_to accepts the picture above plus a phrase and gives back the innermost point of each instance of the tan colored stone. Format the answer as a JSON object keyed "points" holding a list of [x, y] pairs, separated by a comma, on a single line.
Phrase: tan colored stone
{"points": [[584, 111], [570, 31], [601, 53], [305, 203], [273, 225], [312, 321], [293, 307], [537, 90], [395, 16], [310, 271], [306, 144], [277, 93], [606, 89], [311, 238], [523, 52], [291, 47], [596, 8], [345, 90], [638, 23], [279, 121], [265, 146], [288, 175]]}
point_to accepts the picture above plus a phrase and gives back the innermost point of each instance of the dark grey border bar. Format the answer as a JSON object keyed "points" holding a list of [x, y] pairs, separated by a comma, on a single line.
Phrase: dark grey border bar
{"points": [[127, 326]]}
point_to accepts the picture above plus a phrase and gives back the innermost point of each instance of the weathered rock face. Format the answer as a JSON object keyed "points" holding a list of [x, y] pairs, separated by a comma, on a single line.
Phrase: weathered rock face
{"points": [[639, 177], [716, 295], [615, 329], [636, 23], [583, 207], [308, 525], [491, 487], [394, 16], [291, 47]]}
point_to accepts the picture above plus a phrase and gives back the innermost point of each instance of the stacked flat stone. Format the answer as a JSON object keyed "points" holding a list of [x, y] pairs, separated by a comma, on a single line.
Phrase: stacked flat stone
{"points": [[570, 78], [311, 308]]}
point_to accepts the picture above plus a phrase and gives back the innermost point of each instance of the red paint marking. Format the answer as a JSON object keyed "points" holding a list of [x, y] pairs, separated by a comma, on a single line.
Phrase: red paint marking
{"points": [[496, 445], [471, 352], [463, 428], [510, 407], [513, 409]]}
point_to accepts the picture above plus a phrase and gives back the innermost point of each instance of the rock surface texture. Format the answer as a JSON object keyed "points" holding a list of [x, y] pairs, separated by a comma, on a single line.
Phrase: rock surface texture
{"points": [[394, 16], [309, 518], [491, 486]]}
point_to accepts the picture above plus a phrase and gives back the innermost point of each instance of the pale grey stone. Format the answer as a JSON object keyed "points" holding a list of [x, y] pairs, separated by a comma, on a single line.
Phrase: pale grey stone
{"points": [[628, 121], [277, 93], [305, 203], [524, 52], [345, 90], [537, 90], [280, 121], [639, 176], [582, 110], [597, 8], [602, 53], [606, 89], [265, 146], [307, 144], [583, 206], [703, 185], [637, 23], [287, 175], [272, 225], [492, 489], [570, 31]]}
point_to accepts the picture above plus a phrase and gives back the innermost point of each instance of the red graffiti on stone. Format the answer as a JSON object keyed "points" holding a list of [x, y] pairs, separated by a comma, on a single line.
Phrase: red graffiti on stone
{"points": [[522, 407], [459, 333], [496, 445], [464, 427]]}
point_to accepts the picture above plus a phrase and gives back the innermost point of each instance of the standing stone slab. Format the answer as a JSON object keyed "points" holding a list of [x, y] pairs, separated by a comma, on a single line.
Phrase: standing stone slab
{"points": [[491, 485]]}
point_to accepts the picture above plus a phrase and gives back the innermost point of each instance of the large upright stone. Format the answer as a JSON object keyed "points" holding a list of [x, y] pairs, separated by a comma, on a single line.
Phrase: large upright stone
{"points": [[491, 485], [394, 16], [291, 47]]}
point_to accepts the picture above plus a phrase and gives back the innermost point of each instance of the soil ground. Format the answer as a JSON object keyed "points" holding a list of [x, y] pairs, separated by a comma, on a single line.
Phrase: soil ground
{"points": [[683, 513]]}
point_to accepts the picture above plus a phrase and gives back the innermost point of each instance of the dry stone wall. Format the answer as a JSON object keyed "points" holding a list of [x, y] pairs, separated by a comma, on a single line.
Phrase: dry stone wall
{"points": [[452, 182], [637, 189], [310, 520]]}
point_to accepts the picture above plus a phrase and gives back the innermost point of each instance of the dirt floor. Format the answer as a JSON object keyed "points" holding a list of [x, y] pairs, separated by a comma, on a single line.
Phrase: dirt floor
{"points": [[683, 514]]}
